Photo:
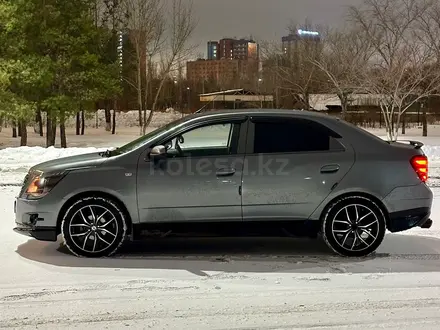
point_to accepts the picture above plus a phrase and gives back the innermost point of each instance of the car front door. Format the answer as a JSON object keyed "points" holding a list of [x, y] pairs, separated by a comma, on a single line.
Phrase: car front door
{"points": [[200, 177], [292, 165]]}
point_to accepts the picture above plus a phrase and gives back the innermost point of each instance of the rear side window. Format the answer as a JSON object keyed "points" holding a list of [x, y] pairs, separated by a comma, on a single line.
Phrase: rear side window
{"points": [[293, 135]]}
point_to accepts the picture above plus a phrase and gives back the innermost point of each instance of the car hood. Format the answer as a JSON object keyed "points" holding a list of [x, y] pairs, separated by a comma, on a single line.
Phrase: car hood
{"points": [[70, 163]]}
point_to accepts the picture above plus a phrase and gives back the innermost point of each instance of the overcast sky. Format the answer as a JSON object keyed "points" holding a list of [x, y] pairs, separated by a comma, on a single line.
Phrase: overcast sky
{"points": [[264, 19]]}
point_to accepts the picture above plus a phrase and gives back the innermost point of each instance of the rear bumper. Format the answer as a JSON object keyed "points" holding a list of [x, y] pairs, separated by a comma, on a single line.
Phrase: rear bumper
{"points": [[404, 220], [42, 234], [408, 198]]}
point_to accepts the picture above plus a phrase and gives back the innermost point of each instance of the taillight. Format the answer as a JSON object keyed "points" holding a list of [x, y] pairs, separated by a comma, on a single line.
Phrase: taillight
{"points": [[420, 166]]}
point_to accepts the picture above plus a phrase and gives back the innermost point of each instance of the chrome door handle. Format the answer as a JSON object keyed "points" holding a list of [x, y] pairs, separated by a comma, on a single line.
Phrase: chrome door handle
{"points": [[225, 172], [332, 168]]}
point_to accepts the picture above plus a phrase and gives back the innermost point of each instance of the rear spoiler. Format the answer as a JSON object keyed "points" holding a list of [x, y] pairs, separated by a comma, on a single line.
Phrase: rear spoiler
{"points": [[415, 144]]}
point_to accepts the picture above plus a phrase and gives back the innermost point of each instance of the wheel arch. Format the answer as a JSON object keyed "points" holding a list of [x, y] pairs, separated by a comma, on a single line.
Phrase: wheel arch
{"points": [[373, 198], [101, 194]]}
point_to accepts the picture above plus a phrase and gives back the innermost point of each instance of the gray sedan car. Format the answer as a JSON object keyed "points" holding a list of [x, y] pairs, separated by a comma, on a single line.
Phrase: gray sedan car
{"points": [[241, 172]]}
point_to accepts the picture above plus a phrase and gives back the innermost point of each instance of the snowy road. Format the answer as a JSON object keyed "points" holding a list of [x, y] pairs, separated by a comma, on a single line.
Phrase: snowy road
{"points": [[220, 284], [235, 302]]}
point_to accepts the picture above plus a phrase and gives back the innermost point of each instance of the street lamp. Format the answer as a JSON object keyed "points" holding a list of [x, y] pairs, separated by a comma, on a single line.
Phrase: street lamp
{"points": [[189, 99], [176, 94], [260, 80]]}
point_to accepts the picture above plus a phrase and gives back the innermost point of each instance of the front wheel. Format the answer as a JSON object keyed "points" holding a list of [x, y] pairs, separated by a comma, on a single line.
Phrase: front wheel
{"points": [[354, 226], [93, 227]]}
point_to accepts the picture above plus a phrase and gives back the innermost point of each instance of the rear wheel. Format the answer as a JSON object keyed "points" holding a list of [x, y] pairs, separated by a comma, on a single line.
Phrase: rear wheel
{"points": [[93, 227], [354, 226]]}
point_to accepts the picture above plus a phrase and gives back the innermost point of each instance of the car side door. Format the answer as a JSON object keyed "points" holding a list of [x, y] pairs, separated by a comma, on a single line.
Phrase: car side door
{"points": [[200, 177], [291, 165]]}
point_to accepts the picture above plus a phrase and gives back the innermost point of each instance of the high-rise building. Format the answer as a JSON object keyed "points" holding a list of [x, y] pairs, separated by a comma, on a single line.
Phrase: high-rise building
{"points": [[309, 40], [225, 70], [228, 59], [245, 50], [228, 48], [213, 50]]}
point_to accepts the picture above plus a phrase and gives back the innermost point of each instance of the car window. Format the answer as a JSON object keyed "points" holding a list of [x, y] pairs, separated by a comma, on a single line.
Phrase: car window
{"points": [[293, 135], [215, 139], [142, 140]]}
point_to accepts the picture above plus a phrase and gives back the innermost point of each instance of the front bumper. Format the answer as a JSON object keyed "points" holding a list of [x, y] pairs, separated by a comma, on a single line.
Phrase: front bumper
{"points": [[42, 234], [35, 219]]}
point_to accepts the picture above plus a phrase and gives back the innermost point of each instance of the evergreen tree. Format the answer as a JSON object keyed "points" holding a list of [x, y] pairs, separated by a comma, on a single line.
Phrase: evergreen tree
{"points": [[54, 61]]}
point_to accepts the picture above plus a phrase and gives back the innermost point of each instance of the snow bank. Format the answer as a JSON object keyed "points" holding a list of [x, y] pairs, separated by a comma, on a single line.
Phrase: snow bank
{"points": [[15, 162], [433, 152], [431, 145], [12, 159], [123, 118], [127, 119]]}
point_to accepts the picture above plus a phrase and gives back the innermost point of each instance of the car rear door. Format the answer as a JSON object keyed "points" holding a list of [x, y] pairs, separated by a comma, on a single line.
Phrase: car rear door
{"points": [[291, 166]]}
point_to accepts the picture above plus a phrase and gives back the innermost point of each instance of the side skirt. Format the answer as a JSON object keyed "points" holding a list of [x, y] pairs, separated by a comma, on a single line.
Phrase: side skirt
{"points": [[305, 228]]}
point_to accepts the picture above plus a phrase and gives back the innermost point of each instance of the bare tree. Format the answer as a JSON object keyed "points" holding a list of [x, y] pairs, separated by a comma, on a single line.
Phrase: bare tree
{"points": [[176, 47], [145, 23], [428, 28], [298, 71], [271, 57], [290, 65], [113, 17], [345, 53], [284, 73], [403, 70]]}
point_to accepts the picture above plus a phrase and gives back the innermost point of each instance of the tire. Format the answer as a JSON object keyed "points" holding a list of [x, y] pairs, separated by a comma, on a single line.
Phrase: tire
{"points": [[93, 227], [349, 237]]}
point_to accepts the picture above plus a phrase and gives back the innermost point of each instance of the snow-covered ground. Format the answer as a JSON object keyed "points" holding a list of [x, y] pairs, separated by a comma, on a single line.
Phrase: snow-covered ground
{"points": [[217, 283], [15, 162]]}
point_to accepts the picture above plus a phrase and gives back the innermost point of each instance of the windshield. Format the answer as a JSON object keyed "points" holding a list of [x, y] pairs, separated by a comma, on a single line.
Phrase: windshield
{"points": [[139, 142]]}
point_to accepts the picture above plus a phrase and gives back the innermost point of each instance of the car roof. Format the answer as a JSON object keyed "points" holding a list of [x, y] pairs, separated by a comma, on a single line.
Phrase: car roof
{"points": [[250, 112]]}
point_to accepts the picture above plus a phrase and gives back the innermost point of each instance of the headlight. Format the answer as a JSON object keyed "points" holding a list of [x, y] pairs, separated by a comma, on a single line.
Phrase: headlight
{"points": [[41, 184]]}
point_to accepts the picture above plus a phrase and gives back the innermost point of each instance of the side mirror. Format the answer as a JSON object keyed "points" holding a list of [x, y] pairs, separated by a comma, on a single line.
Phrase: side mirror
{"points": [[158, 152]]}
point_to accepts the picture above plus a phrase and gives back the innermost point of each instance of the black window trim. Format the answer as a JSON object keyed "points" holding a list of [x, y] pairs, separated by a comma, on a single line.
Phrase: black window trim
{"points": [[265, 118]]}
